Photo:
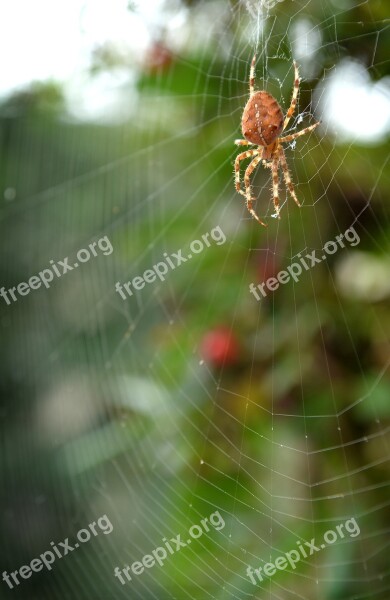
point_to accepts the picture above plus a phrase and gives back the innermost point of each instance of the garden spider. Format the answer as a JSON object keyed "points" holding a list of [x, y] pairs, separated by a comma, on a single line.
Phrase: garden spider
{"points": [[262, 123]]}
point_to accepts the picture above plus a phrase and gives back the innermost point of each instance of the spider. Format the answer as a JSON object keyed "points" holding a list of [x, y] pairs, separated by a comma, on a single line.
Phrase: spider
{"points": [[262, 123]]}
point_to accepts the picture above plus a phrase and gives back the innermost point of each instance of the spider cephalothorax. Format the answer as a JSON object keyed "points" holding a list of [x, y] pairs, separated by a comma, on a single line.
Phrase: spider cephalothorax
{"points": [[262, 123]]}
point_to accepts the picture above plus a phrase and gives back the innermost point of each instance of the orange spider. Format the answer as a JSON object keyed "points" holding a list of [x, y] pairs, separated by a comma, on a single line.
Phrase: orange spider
{"points": [[262, 123]]}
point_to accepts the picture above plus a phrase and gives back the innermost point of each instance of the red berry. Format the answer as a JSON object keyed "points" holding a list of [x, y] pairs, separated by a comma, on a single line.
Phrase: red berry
{"points": [[268, 265], [159, 57], [220, 347]]}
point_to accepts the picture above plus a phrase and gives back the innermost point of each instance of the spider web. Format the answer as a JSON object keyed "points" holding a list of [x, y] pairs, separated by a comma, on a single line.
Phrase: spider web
{"points": [[129, 416]]}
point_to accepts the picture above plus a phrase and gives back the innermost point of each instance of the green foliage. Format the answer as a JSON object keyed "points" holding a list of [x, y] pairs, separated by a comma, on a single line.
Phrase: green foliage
{"points": [[114, 408]]}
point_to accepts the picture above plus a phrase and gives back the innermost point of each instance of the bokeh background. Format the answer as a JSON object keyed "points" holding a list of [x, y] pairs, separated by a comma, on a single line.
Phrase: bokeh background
{"points": [[118, 119]]}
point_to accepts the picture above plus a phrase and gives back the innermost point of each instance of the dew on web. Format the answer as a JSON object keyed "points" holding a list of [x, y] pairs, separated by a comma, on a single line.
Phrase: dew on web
{"points": [[289, 408]]}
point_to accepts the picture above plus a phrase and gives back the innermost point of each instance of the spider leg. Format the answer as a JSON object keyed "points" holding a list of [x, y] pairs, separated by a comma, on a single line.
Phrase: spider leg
{"points": [[290, 111], [252, 166], [289, 138], [243, 143], [239, 158], [286, 175], [252, 77], [275, 183]]}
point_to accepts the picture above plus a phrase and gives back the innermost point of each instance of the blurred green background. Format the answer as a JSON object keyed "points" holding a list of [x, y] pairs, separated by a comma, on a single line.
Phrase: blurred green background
{"points": [[191, 396]]}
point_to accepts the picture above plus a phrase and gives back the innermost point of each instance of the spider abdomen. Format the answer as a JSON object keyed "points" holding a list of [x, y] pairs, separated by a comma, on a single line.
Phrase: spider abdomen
{"points": [[262, 119]]}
